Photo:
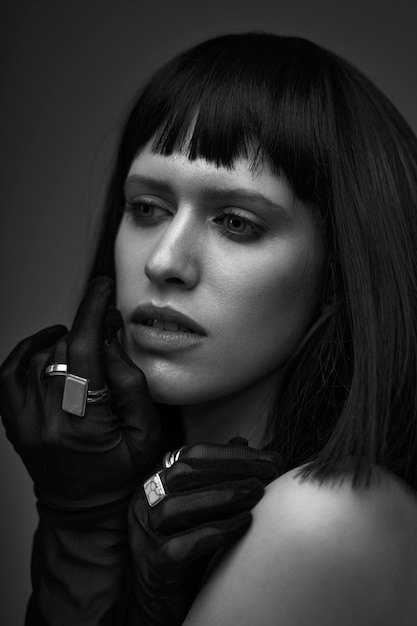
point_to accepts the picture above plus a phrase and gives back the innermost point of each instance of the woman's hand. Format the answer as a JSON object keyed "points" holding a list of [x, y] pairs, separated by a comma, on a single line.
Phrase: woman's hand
{"points": [[84, 468], [210, 491], [79, 462]]}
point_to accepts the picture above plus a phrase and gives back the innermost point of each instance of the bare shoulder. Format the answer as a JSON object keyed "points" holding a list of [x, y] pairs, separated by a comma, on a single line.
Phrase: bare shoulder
{"points": [[319, 554]]}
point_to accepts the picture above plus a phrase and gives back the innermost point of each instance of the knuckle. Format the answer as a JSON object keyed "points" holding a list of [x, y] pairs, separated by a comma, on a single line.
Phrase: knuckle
{"points": [[177, 475], [197, 450], [51, 435], [60, 350], [174, 550], [77, 349], [38, 362]]}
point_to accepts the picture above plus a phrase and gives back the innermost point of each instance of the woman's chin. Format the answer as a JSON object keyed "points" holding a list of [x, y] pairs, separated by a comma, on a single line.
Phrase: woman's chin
{"points": [[177, 392], [162, 397], [166, 392]]}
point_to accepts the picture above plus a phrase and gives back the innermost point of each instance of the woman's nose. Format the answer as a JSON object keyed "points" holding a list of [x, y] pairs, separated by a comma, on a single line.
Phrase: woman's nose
{"points": [[174, 258]]}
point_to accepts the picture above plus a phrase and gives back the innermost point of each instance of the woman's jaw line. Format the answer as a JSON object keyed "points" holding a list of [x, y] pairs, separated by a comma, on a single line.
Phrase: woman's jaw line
{"points": [[243, 413]]}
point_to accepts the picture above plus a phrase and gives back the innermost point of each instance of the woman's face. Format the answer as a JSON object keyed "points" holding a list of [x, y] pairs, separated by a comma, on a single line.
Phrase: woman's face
{"points": [[217, 271]]}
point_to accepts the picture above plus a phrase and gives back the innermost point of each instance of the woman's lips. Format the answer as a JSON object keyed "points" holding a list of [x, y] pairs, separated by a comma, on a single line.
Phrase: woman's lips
{"points": [[165, 318], [167, 325], [158, 328]]}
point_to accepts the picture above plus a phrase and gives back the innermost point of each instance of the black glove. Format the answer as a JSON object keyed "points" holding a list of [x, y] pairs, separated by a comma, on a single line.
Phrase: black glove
{"points": [[210, 492], [84, 468], [78, 462]]}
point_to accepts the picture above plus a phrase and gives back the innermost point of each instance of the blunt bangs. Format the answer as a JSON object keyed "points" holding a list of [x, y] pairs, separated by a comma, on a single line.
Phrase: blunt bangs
{"points": [[256, 96]]}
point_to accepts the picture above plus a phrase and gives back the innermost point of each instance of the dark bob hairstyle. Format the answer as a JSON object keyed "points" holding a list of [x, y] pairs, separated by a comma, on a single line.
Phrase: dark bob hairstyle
{"points": [[348, 401]]}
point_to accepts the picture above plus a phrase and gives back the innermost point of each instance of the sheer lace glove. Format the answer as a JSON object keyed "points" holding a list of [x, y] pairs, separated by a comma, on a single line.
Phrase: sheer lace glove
{"points": [[79, 462], [210, 491], [84, 468]]}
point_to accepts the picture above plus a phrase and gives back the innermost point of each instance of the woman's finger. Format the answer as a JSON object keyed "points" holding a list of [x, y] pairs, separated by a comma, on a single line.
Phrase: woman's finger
{"points": [[202, 464], [16, 366], [231, 454], [85, 340], [185, 548], [17, 362], [184, 511], [131, 402]]}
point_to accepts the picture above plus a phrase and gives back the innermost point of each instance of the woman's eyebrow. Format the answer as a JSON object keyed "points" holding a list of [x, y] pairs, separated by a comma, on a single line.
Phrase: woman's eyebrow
{"points": [[147, 181], [239, 194], [209, 192]]}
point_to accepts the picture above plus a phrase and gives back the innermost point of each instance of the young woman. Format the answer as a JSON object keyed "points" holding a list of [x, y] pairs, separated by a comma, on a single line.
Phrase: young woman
{"points": [[260, 229]]}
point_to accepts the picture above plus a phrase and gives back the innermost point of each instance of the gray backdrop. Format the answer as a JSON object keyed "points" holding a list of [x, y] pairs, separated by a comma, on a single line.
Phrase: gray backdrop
{"points": [[70, 69]]}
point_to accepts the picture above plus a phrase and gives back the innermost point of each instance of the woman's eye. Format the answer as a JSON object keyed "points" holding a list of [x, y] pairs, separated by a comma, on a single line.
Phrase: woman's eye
{"points": [[143, 211], [237, 226]]}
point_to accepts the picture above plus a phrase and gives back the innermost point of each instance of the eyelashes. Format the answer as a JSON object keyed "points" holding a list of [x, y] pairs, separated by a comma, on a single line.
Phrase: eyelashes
{"points": [[238, 227], [232, 223], [146, 211]]}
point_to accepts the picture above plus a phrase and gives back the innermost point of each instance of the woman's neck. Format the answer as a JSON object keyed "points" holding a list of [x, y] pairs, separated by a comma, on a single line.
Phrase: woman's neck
{"points": [[242, 414]]}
